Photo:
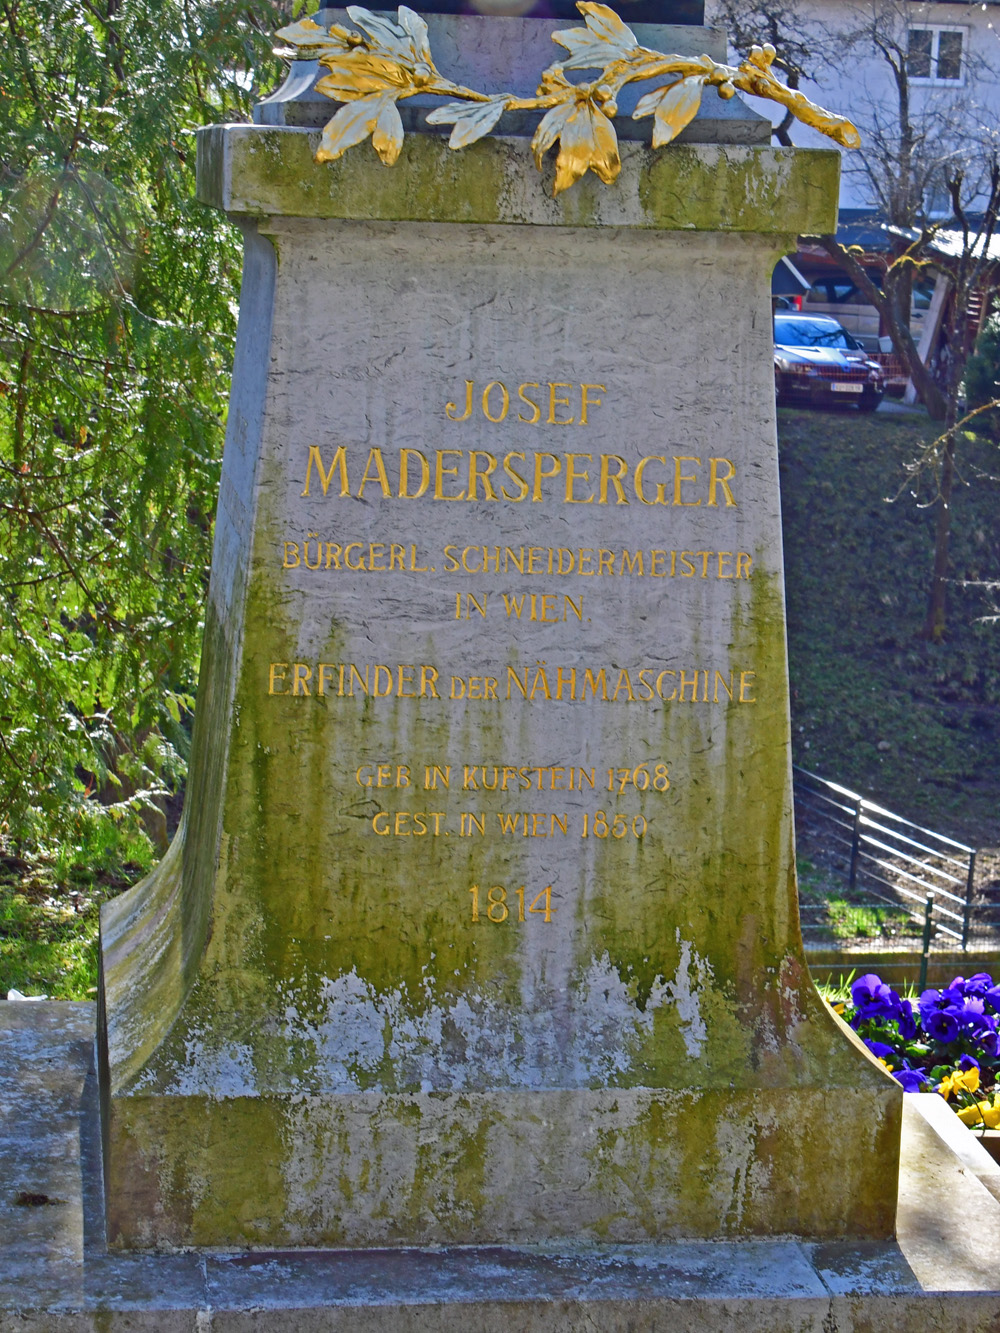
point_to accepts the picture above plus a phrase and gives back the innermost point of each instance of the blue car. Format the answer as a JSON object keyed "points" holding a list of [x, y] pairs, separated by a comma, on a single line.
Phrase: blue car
{"points": [[817, 362]]}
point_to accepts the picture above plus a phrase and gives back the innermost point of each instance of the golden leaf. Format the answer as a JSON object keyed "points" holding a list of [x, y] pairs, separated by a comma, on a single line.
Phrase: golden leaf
{"points": [[393, 60], [605, 38], [587, 142], [471, 121], [673, 107], [352, 124], [395, 41], [305, 33], [312, 42], [417, 29], [387, 137], [549, 129], [358, 73]]}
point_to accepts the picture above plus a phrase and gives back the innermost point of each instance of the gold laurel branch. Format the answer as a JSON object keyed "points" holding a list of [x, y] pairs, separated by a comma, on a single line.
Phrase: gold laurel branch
{"points": [[371, 70]]}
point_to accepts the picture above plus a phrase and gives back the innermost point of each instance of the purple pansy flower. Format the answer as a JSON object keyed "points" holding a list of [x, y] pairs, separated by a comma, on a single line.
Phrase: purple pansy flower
{"points": [[935, 1001], [913, 1080], [941, 1025], [905, 1021], [873, 998], [978, 985], [879, 1049], [972, 1018], [988, 1043]]}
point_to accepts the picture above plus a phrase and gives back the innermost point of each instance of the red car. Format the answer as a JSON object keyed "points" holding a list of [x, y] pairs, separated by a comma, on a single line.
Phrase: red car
{"points": [[817, 361]]}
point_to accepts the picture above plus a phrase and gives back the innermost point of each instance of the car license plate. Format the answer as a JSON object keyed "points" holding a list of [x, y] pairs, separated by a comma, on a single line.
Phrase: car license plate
{"points": [[841, 387]]}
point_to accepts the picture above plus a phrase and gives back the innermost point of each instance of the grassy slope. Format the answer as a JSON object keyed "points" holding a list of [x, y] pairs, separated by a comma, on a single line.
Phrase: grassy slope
{"points": [[857, 572]]}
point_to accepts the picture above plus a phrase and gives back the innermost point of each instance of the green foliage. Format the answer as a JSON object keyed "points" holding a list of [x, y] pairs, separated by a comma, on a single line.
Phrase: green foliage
{"points": [[982, 378], [849, 920], [117, 320]]}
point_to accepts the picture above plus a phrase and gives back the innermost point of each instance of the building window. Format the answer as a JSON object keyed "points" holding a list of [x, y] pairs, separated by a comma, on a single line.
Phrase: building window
{"points": [[936, 55]]}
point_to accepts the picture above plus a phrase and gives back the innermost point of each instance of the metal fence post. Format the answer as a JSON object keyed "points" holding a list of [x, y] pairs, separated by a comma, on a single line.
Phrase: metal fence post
{"points": [[855, 845], [928, 912], [969, 887]]}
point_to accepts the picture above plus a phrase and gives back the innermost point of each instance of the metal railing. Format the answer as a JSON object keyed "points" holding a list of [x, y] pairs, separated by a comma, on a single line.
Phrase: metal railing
{"points": [[880, 858]]}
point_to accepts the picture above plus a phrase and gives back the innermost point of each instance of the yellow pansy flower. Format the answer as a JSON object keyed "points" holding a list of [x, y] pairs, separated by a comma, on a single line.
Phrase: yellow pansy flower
{"points": [[960, 1080], [982, 1115]]}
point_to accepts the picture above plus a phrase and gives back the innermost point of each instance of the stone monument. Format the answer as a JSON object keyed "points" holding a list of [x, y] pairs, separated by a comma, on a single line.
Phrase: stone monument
{"points": [[481, 925]]}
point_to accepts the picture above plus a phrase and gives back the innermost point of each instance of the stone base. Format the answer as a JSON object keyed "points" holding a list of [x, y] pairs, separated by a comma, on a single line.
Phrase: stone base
{"points": [[619, 1165], [58, 1276]]}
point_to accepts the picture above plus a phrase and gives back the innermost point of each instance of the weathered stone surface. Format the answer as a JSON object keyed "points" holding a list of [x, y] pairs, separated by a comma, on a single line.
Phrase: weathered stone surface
{"points": [[482, 923], [58, 1276], [257, 171]]}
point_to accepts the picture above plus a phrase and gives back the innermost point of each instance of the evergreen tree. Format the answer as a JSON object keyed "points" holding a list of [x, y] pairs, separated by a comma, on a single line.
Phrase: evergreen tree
{"points": [[117, 318]]}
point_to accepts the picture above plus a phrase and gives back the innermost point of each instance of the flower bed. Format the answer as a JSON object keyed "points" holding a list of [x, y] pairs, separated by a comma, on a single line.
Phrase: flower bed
{"points": [[942, 1041]]}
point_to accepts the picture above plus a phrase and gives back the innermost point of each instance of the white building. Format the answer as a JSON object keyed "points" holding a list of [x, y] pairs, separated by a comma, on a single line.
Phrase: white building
{"points": [[951, 56]]}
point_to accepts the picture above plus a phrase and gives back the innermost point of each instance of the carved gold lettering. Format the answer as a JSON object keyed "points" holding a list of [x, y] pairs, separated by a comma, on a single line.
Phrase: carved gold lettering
{"points": [[339, 460], [476, 476], [276, 674], [555, 402], [504, 402], [374, 457], [685, 683], [451, 409], [301, 675], [660, 497], [659, 686], [682, 478], [573, 476], [311, 564], [405, 455], [381, 682], [586, 401], [541, 473], [613, 479], [726, 685], [714, 481], [515, 477], [536, 411], [376, 551], [440, 472]]}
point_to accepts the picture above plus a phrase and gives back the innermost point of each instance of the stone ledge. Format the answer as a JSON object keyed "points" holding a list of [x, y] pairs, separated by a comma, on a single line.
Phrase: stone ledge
{"points": [[57, 1276], [258, 171]]}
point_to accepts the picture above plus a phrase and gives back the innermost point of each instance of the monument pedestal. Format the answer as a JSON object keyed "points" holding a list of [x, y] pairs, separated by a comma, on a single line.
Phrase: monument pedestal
{"points": [[58, 1276], [482, 926]]}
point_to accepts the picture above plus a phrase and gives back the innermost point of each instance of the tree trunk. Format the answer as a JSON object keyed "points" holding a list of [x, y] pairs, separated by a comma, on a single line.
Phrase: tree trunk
{"points": [[899, 330]]}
